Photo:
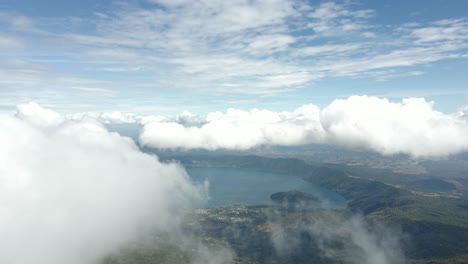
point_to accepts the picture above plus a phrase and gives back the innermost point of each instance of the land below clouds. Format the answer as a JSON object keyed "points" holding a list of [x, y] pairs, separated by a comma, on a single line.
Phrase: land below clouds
{"points": [[405, 223]]}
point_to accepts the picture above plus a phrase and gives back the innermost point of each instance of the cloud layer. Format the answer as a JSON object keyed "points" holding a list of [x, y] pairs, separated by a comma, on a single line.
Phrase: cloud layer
{"points": [[124, 52], [411, 127], [72, 192]]}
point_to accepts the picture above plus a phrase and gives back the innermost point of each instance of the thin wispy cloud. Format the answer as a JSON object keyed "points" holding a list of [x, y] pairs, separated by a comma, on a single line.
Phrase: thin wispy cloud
{"points": [[228, 47]]}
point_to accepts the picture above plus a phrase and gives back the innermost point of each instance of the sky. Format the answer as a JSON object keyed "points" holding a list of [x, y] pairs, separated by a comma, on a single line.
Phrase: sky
{"points": [[167, 56], [385, 76]]}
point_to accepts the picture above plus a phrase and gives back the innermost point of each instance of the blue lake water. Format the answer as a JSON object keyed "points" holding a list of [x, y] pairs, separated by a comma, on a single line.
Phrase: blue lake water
{"points": [[238, 186]]}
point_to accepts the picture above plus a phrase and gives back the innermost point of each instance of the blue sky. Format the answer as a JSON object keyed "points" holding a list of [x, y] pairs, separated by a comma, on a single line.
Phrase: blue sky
{"points": [[165, 56]]}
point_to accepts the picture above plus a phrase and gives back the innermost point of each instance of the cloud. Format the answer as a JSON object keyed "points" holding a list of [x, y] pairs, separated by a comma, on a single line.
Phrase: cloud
{"points": [[238, 48], [270, 44], [410, 127], [442, 30], [237, 129], [214, 42], [463, 113], [188, 119], [117, 118], [218, 42], [37, 116], [327, 49], [360, 242], [15, 72], [233, 53], [331, 18], [73, 192], [19, 23]]}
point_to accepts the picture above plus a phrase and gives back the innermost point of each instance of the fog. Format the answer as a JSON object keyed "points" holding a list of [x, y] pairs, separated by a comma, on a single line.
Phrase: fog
{"points": [[72, 192], [338, 236]]}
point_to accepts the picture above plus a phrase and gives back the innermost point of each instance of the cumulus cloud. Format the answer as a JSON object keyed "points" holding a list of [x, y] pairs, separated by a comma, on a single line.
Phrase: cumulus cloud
{"points": [[117, 117], [34, 114], [237, 129], [410, 127], [73, 192]]}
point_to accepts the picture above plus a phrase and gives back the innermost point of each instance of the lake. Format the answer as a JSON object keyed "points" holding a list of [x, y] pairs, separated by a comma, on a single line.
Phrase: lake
{"points": [[239, 186]]}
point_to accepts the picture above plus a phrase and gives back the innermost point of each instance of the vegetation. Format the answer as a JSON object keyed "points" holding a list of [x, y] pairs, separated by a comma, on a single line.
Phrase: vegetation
{"points": [[431, 185], [435, 228]]}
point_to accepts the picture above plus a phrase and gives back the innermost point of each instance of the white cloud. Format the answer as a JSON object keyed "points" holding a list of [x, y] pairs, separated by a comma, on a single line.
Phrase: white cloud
{"points": [[331, 18], [188, 119], [34, 114], [237, 129], [270, 43], [118, 118], [411, 127], [151, 118], [331, 10], [255, 47], [462, 113], [72, 192], [442, 30], [213, 42], [392, 60], [369, 34], [218, 42]]}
